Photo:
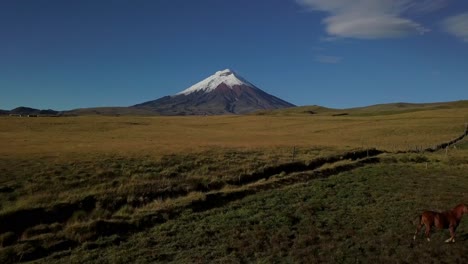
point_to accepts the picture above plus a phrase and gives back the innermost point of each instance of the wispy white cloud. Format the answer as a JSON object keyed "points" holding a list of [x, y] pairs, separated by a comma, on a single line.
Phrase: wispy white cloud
{"points": [[457, 26], [328, 59], [372, 19], [426, 6], [372, 27]]}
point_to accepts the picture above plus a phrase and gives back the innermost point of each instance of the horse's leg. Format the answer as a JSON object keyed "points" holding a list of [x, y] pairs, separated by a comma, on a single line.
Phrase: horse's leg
{"points": [[452, 235], [418, 229], [428, 232]]}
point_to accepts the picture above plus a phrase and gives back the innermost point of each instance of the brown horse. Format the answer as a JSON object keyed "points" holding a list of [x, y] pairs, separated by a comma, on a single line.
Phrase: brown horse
{"points": [[448, 219]]}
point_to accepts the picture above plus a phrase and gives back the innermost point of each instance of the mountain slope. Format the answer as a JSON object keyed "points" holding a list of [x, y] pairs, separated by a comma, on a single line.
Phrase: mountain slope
{"points": [[225, 92]]}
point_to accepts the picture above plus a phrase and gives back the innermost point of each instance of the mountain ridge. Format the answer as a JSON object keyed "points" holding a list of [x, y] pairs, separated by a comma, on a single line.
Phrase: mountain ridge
{"points": [[224, 92]]}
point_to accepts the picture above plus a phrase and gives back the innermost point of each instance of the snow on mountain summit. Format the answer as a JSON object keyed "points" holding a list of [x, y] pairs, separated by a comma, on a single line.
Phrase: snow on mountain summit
{"points": [[228, 77]]}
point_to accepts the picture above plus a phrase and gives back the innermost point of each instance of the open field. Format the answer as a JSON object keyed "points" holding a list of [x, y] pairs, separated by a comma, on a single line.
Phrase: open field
{"points": [[158, 136], [291, 187]]}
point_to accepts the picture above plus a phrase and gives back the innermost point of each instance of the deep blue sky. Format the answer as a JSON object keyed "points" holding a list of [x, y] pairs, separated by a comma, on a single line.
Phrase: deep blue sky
{"points": [[69, 54]]}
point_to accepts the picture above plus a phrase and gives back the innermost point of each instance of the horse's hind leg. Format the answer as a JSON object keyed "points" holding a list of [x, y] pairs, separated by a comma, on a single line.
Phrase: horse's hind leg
{"points": [[428, 232], [452, 235], [418, 229]]}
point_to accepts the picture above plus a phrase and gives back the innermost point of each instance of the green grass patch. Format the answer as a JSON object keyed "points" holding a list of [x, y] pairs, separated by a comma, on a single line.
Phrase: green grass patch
{"points": [[360, 216]]}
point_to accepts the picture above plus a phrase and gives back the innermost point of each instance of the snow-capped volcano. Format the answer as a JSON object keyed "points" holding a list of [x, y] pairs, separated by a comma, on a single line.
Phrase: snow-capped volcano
{"points": [[224, 92], [228, 77]]}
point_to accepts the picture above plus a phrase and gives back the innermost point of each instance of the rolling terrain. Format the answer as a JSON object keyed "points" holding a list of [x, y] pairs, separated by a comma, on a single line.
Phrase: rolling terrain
{"points": [[379, 109], [148, 109], [281, 186]]}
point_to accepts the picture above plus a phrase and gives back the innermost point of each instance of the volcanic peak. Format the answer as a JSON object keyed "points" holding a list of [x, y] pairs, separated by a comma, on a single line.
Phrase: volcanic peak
{"points": [[227, 77]]}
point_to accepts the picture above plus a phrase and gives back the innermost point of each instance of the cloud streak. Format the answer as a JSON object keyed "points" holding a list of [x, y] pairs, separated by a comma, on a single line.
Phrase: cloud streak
{"points": [[457, 26], [371, 19]]}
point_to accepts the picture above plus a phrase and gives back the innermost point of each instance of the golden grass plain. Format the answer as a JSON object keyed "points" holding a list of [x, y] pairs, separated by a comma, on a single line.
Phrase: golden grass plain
{"points": [[156, 136]]}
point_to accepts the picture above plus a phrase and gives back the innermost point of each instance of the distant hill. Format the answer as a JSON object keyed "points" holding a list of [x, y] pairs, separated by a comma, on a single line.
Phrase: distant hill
{"points": [[31, 111], [378, 109], [409, 107]]}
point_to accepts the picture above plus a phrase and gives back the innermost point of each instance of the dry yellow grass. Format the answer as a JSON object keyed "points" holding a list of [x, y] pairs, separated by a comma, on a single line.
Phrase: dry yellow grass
{"points": [[164, 135], [124, 168]]}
